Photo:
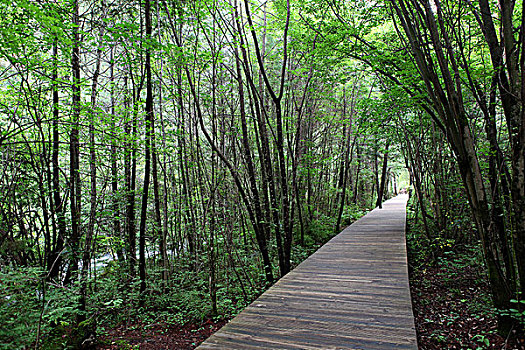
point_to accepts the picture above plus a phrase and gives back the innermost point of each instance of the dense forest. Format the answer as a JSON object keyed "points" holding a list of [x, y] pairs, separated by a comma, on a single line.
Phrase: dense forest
{"points": [[166, 161]]}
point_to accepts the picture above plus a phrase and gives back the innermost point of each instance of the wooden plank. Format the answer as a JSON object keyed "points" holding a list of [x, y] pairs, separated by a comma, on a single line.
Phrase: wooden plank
{"points": [[353, 293]]}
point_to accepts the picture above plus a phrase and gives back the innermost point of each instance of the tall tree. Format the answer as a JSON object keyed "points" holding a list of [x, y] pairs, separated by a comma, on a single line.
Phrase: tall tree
{"points": [[381, 189], [75, 188], [148, 145]]}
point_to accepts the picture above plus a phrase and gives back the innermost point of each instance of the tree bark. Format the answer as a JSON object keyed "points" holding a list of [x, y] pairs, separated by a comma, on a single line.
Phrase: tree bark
{"points": [[381, 189], [74, 149], [55, 260], [147, 157]]}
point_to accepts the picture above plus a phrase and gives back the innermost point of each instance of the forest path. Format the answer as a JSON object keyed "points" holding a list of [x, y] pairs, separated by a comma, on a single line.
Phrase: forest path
{"points": [[353, 293]]}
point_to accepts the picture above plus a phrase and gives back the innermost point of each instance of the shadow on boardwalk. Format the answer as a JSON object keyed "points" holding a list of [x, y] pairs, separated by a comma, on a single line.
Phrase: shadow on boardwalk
{"points": [[353, 293]]}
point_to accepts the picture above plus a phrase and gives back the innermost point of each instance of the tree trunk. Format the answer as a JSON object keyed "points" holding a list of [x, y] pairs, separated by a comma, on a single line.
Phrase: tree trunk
{"points": [[55, 260], [74, 150], [147, 157], [86, 258], [381, 189], [345, 167], [114, 168]]}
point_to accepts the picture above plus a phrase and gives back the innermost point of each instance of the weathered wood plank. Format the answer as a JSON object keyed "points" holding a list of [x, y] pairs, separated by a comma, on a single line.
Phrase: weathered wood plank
{"points": [[353, 293]]}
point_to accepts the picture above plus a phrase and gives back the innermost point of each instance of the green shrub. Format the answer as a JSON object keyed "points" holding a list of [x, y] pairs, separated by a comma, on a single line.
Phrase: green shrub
{"points": [[517, 312], [320, 230], [20, 307], [27, 310], [352, 213]]}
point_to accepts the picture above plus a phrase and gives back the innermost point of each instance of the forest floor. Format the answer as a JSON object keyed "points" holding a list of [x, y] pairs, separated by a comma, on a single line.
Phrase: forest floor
{"points": [[158, 336], [451, 306], [450, 301]]}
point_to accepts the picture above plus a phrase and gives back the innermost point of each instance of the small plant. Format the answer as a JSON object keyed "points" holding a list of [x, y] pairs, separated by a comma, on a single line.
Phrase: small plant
{"points": [[482, 340], [351, 213], [517, 312], [124, 345], [440, 338], [19, 306]]}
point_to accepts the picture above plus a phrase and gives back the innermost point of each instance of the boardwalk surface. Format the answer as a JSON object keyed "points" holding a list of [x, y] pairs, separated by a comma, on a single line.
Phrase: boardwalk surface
{"points": [[353, 293]]}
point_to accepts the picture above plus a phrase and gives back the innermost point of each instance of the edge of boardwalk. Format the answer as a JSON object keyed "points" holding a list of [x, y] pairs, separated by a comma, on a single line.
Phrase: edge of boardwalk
{"points": [[352, 293]]}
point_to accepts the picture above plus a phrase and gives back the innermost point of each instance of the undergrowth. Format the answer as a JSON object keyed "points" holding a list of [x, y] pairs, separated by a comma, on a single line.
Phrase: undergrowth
{"points": [[451, 298], [33, 309]]}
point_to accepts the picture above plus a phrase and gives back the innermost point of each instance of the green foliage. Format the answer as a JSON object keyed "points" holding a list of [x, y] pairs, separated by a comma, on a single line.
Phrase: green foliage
{"points": [[71, 338], [300, 253], [19, 307], [517, 312], [230, 303], [482, 340], [26, 309], [123, 344], [352, 213], [454, 231], [320, 230], [184, 299]]}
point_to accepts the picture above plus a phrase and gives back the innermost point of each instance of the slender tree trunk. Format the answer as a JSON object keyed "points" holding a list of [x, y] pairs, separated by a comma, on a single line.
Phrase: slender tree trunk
{"points": [[156, 197], [86, 257], [55, 260], [130, 174], [284, 243], [414, 170], [358, 171], [114, 167], [263, 227], [74, 149], [344, 178], [163, 246], [381, 190], [147, 157], [266, 166], [375, 188]]}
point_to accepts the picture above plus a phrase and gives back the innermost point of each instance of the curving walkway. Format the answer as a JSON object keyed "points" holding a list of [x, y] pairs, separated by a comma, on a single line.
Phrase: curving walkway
{"points": [[353, 293]]}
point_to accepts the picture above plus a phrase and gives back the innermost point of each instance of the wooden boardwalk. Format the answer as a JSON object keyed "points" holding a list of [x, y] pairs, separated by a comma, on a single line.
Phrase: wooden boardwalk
{"points": [[353, 293]]}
